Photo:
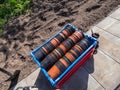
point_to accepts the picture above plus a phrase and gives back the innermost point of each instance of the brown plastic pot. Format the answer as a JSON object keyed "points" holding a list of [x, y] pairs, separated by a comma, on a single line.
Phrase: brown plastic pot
{"points": [[70, 29], [79, 34], [60, 51], [84, 43], [63, 48], [68, 43], [49, 61], [70, 56], [62, 60], [66, 33], [45, 49], [63, 35], [67, 60], [74, 52], [73, 39], [55, 42], [56, 70], [60, 38], [79, 48], [48, 47], [40, 54]]}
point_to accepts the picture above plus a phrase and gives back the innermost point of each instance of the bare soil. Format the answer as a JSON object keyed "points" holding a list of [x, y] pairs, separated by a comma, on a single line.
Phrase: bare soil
{"points": [[24, 33]]}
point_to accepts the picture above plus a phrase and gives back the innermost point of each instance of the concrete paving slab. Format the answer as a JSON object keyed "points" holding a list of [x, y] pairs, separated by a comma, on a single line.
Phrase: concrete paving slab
{"points": [[30, 80], [111, 49], [106, 71], [114, 29], [94, 85], [116, 14], [20, 85], [107, 22], [107, 35], [109, 44]]}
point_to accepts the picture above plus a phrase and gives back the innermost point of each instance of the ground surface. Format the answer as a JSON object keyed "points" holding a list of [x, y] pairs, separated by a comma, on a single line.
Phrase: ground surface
{"points": [[24, 33]]}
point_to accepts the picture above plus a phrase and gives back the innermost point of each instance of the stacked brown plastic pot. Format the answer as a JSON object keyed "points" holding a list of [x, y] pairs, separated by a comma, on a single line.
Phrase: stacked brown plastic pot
{"points": [[52, 44], [58, 54], [61, 65]]}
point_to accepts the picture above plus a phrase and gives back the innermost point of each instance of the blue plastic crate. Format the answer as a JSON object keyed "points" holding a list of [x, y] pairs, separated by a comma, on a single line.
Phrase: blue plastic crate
{"points": [[56, 81]]}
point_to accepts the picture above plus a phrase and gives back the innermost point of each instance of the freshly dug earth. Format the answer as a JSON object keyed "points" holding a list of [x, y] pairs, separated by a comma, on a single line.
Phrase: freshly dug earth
{"points": [[25, 32]]}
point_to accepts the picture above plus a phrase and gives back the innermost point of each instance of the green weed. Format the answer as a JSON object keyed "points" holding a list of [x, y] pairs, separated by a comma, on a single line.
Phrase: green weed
{"points": [[10, 8]]}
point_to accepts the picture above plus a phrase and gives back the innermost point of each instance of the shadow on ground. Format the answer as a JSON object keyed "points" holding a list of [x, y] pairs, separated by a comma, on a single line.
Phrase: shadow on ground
{"points": [[78, 81]]}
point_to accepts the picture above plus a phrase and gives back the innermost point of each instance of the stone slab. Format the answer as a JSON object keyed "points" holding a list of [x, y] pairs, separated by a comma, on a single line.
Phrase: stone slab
{"points": [[106, 71], [20, 85], [109, 44], [114, 29], [116, 14], [107, 22], [107, 35], [30, 80]]}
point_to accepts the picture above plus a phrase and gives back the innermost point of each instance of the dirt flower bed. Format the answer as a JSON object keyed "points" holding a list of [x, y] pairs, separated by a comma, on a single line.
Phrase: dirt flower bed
{"points": [[25, 32]]}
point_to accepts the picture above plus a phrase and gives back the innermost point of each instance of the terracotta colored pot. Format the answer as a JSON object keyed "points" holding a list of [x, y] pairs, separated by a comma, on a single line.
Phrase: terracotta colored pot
{"points": [[63, 48], [56, 70], [70, 56], [55, 42], [74, 52], [67, 60], [60, 51], [76, 36], [62, 60], [79, 34], [73, 39], [65, 33], [79, 48]]}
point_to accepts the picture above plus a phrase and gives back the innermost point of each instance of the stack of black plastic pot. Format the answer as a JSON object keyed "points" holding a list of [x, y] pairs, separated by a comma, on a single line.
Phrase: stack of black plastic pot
{"points": [[62, 50]]}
